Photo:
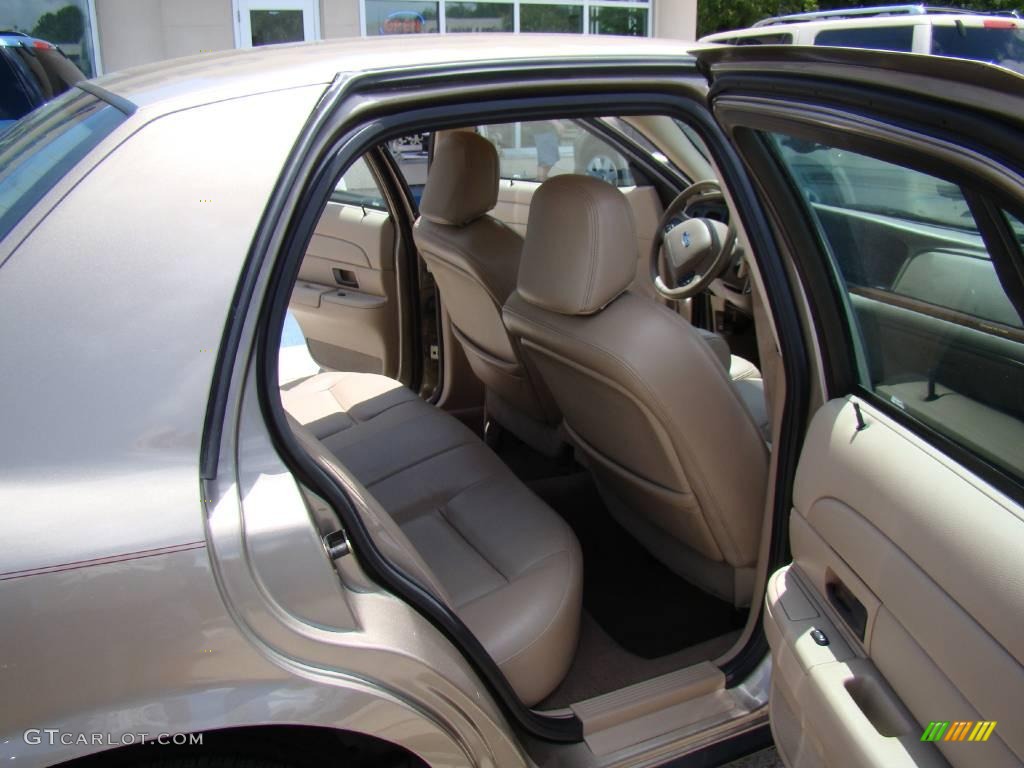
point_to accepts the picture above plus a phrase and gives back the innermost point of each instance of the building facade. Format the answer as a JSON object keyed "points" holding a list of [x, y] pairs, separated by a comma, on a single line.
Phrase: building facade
{"points": [[104, 36]]}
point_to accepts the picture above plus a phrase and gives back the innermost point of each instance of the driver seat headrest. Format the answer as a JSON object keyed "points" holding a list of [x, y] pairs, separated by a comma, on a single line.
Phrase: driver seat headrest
{"points": [[581, 250], [462, 184]]}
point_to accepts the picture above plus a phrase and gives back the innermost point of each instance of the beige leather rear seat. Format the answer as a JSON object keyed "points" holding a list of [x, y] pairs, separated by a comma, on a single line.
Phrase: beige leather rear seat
{"points": [[510, 567]]}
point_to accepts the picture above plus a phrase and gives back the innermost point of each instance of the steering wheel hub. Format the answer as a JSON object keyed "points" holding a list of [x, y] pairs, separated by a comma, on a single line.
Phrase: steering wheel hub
{"points": [[697, 250]]}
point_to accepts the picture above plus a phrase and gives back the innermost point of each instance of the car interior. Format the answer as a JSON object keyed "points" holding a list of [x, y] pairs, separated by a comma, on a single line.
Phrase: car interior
{"points": [[584, 484], [543, 369]]}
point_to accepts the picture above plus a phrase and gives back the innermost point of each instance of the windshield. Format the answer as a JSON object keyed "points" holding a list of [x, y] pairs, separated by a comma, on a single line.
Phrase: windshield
{"points": [[995, 45], [44, 145]]}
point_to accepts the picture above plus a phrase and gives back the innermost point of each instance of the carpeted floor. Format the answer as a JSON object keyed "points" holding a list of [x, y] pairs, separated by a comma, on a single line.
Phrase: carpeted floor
{"points": [[766, 758], [601, 665], [641, 604]]}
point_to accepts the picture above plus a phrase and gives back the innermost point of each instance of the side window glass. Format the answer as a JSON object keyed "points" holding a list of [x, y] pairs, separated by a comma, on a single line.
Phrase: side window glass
{"points": [[939, 336], [900, 38], [775, 39], [412, 155], [534, 151], [358, 187]]}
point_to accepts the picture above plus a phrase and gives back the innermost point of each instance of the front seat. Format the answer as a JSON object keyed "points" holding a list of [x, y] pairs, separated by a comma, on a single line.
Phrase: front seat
{"points": [[650, 407], [475, 260]]}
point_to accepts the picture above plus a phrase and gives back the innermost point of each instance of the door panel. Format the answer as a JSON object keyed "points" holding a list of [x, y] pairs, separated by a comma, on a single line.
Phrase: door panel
{"points": [[345, 299], [932, 554], [907, 527]]}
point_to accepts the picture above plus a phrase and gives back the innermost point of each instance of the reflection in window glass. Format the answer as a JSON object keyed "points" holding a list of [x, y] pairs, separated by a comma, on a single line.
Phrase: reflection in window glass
{"points": [[836, 177], [400, 17], [551, 18], [998, 46], [605, 20], [899, 38], [67, 24], [941, 338], [270, 27], [478, 17]]}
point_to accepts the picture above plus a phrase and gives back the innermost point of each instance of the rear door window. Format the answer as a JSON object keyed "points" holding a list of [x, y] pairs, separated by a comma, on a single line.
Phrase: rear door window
{"points": [[931, 317]]}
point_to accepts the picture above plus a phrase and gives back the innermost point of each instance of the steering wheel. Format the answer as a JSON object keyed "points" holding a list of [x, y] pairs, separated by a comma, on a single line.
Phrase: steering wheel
{"points": [[697, 250]]}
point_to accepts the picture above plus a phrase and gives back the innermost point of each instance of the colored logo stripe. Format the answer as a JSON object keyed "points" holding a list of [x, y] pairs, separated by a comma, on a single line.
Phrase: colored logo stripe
{"points": [[958, 730], [982, 731]]}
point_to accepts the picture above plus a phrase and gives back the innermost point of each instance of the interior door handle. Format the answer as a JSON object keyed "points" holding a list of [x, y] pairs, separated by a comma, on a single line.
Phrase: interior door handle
{"points": [[849, 608], [346, 278]]}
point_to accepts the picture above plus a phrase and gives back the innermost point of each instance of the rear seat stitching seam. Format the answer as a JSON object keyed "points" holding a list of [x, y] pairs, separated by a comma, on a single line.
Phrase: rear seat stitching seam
{"points": [[354, 418], [424, 460], [554, 616], [520, 576], [450, 499], [441, 511]]}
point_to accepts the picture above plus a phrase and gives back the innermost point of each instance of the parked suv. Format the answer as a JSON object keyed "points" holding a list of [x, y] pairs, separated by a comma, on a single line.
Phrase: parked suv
{"points": [[992, 37], [32, 72]]}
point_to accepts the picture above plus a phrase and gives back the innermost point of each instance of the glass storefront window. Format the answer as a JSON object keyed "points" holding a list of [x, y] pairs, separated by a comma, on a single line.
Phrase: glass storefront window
{"points": [[400, 17], [478, 17], [604, 17], [605, 20], [269, 27], [550, 18]]}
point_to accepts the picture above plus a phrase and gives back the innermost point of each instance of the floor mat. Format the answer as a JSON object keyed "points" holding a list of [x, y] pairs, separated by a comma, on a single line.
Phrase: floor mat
{"points": [[529, 465], [644, 606], [601, 665]]}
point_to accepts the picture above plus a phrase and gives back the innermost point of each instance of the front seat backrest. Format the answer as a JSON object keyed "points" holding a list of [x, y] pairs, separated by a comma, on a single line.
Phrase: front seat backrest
{"points": [[649, 406], [475, 260]]}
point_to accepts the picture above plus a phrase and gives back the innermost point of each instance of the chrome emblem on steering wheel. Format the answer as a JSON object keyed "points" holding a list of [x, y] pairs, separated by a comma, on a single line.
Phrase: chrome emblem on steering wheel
{"points": [[686, 239]]}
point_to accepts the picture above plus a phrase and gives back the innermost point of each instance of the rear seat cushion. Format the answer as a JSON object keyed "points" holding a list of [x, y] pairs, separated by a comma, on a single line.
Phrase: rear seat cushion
{"points": [[510, 566]]}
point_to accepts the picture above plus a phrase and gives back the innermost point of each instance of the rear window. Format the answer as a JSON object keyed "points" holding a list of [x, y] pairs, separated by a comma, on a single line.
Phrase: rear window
{"points": [[897, 38], [1003, 46], [43, 146]]}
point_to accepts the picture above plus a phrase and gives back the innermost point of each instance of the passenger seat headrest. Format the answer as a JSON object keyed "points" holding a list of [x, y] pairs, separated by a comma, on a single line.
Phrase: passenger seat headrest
{"points": [[462, 184], [580, 250]]}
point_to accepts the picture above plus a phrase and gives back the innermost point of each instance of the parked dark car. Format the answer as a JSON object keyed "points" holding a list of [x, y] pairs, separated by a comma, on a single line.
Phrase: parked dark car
{"points": [[32, 72]]}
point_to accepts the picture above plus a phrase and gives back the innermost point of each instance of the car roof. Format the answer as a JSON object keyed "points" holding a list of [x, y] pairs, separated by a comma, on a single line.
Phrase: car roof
{"points": [[179, 83], [888, 12]]}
